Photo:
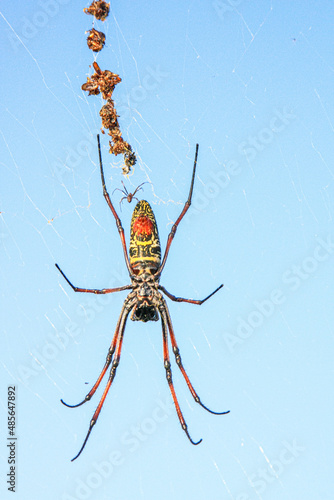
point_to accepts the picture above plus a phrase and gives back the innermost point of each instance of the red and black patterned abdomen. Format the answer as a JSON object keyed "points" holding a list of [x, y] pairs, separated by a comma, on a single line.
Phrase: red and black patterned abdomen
{"points": [[145, 249]]}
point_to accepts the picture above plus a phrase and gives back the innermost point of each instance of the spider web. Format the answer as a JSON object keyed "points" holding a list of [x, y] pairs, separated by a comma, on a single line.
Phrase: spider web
{"points": [[251, 85]]}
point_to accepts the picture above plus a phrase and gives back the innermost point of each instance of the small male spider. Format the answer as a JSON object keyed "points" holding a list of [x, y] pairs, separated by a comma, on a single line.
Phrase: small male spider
{"points": [[144, 301], [129, 196]]}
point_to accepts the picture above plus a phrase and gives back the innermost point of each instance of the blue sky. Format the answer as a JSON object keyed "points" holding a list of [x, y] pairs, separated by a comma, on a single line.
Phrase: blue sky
{"points": [[252, 83]]}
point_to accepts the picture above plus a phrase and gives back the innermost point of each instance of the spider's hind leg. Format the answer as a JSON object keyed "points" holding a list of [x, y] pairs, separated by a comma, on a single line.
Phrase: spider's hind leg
{"points": [[108, 361], [121, 327], [169, 377], [177, 355]]}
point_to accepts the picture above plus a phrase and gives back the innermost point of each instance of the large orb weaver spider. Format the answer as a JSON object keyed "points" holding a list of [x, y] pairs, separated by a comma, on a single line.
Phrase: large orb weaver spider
{"points": [[145, 302]]}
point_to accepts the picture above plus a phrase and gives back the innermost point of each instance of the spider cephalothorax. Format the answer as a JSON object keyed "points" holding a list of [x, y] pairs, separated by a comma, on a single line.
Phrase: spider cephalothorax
{"points": [[144, 301], [148, 298]]}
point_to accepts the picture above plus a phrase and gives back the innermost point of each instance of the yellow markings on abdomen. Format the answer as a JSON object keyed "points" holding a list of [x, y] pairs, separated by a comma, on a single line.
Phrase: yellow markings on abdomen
{"points": [[145, 249]]}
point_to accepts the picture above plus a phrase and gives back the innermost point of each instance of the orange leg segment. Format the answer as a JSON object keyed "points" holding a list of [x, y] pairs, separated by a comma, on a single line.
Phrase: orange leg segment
{"points": [[177, 355], [169, 379], [121, 326]]}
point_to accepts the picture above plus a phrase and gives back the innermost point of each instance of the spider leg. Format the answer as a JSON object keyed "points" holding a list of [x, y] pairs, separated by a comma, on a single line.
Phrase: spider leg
{"points": [[121, 201], [105, 368], [111, 206], [182, 214], [123, 317], [191, 301], [168, 369], [121, 190], [139, 188], [93, 290], [177, 355], [124, 191]]}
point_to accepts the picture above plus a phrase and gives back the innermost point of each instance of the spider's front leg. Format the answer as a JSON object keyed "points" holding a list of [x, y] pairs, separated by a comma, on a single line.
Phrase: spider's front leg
{"points": [[182, 214], [111, 206]]}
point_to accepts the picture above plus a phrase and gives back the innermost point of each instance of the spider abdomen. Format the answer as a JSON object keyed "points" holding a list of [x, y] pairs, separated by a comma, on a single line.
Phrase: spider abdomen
{"points": [[144, 249]]}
